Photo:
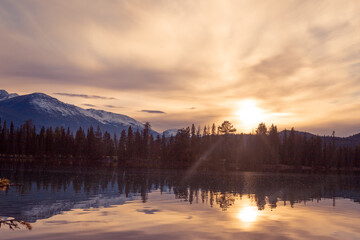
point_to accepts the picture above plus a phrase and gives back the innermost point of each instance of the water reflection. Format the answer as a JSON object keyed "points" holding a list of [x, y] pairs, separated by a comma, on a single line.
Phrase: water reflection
{"points": [[248, 214], [121, 204], [14, 224], [46, 193]]}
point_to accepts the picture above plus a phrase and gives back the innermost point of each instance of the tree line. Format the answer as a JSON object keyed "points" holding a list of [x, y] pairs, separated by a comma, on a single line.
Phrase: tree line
{"points": [[207, 147]]}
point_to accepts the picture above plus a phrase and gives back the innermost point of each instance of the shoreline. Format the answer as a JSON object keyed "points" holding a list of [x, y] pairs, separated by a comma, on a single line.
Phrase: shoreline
{"points": [[25, 161]]}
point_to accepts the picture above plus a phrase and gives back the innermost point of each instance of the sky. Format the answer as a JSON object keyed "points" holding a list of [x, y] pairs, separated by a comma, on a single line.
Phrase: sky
{"points": [[294, 63]]}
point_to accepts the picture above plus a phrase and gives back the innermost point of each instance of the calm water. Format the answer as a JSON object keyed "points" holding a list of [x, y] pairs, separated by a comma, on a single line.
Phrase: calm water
{"points": [[116, 204]]}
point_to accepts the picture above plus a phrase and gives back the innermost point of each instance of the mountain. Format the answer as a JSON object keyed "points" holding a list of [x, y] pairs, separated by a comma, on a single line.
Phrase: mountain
{"points": [[297, 133], [5, 95], [170, 132], [350, 141], [47, 111]]}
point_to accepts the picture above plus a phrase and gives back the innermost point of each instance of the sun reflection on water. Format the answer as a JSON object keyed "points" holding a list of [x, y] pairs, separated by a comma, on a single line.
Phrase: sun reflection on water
{"points": [[248, 214]]}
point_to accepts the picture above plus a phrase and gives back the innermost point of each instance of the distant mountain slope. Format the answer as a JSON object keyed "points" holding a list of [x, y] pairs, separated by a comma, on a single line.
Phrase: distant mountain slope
{"points": [[170, 132], [47, 111], [306, 134], [351, 141], [5, 95]]}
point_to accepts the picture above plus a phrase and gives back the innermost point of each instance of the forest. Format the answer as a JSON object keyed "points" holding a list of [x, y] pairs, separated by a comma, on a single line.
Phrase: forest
{"points": [[214, 148]]}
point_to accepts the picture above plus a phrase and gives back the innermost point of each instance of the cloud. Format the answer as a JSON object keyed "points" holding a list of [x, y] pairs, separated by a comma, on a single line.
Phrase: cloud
{"points": [[294, 56], [84, 96], [112, 106], [88, 105], [153, 111], [279, 66]]}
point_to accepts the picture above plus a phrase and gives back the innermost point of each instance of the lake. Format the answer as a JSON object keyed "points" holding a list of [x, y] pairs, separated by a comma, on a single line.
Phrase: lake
{"points": [[164, 204]]}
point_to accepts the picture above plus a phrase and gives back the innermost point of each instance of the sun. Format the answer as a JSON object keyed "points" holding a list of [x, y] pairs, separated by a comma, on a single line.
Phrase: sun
{"points": [[248, 214], [249, 114]]}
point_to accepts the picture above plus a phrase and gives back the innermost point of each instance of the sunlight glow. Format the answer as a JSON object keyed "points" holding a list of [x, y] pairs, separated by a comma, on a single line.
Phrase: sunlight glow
{"points": [[248, 214], [250, 114]]}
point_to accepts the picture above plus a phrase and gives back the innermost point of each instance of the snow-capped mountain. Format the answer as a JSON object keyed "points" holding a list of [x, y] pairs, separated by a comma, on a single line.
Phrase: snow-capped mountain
{"points": [[47, 111], [170, 132], [5, 95]]}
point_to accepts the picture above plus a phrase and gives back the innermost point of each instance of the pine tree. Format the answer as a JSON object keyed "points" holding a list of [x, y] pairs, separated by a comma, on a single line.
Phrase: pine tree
{"points": [[129, 144], [41, 141], [122, 154], [213, 130], [274, 142], [99, 145], [11, 146], [80, 143], [116, 143], [91, 143], [4, 138], [226, 128], [138, 145], [49, 142], [145, 140], [108, 144]]}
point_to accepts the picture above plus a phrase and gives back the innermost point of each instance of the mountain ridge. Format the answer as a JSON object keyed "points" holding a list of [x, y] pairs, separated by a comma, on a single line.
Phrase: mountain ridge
{"points": [[48, 111]]}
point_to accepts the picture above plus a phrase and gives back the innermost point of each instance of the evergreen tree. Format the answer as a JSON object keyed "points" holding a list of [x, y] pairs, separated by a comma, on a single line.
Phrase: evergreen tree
{"points": [[49, 142], [226, 128], [122, 154], [261, 129], [116, 144], [213, 129], [99, 145], [138, 145], [108, 144], [129, 144], [145, 140], [11, 145], [4, 138], [80, 143], [91, 143], [182, 149], [41, 141], [274, 142]]}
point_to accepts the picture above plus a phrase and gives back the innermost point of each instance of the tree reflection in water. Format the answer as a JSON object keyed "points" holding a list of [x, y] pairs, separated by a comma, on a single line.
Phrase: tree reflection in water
{"points": [[14, 224], [222, 189], [225, 200]]}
